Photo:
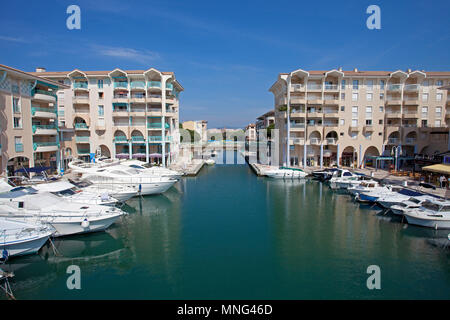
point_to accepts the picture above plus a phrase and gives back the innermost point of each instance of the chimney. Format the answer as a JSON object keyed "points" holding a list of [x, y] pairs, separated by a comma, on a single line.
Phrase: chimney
{"points": [[39, 69], [355, 70]]}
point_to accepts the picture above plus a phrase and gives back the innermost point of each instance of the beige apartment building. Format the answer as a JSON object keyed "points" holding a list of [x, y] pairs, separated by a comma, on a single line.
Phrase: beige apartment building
{"points": [[199, 126], [29, 134], [362, 118], [118, 114], [250, 132]]}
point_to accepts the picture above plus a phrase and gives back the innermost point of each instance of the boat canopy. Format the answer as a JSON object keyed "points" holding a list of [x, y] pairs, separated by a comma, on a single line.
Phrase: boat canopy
{"points": [[35, 170]]}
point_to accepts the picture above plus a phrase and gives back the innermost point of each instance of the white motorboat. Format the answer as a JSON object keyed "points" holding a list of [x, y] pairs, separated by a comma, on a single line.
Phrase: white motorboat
{"points": [[362, 186], [153, 170], [377, 193], [285, 173], [142, 183], [120, 192], [341, 176], [31, 206], [433, 213], [411, 203], [210, 162], [21, 238], [72, 193]]}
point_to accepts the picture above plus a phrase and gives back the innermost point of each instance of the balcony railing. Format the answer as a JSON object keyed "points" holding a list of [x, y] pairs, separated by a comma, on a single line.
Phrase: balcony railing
{"points": [[154, 84], [331, 140], [39, 109], [297, 86], [314, 140], [19, 147], [169, 86], [331, 87], [137, 139], [298, 125], [155, 138], [137, 84], [121, 84], [120, 96], [83, 151], [48, 93], [44, 144], [80, 85], [314, 86], [120, 139], [43, 127], [393, 140], [394, 87], [81, 126], [410, 140], [82, 139], [411, 87], [298, 140]]}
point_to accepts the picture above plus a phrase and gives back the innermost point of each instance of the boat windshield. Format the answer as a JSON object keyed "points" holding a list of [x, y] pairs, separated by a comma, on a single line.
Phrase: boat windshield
{"points": [[135, 166], [431, 206], [416, 201]]}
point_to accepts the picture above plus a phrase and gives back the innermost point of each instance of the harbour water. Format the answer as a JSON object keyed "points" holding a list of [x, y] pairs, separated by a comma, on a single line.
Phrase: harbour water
{"points": [[227, 234]]}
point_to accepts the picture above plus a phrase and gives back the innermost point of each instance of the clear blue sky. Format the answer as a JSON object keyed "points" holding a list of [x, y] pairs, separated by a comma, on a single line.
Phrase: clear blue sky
{"points": [[226, 54]]}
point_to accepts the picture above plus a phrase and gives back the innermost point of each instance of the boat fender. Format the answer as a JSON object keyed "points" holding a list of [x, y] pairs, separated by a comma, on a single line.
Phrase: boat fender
{"points": [[448, 237], [140, 188], [5, 255], [85, 223]]}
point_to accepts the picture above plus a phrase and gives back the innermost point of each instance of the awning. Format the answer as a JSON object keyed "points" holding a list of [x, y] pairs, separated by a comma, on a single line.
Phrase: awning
{"points": [[35, 169], [438, 168]]}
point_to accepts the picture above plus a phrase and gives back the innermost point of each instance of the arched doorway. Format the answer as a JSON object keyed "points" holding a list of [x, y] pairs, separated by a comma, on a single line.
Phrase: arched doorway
{"points": [[370, 157], [349, 157], [104, 151], [15, 164]]}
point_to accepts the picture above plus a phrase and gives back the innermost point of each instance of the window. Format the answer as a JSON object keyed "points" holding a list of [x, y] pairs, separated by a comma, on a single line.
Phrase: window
{"points": [[439, 83], [17, 122], [380, 121], [439, 97], [101, 111], [425, 123], [426, 83], [354, 116], [355, 84], [341, 134], [342, 96], [437, 123], [16, 105], [369, 85], [369, 96], [382, 84], [354, 97], [368, 135], [100, 95], [438, 112], [424, 112], [354, 135], [369, 114], [342, 108], [343, 85], [424, 97], [381, 109], [342, 122], [368, 122], [381, 96], [100, 83]]}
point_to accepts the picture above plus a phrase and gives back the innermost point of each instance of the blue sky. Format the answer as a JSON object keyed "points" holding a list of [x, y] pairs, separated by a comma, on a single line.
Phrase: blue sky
{"points": [[226, 54]]}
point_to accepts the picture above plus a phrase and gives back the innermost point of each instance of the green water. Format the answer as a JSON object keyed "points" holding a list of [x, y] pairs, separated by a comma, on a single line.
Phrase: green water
{"points": [[227, 234]]}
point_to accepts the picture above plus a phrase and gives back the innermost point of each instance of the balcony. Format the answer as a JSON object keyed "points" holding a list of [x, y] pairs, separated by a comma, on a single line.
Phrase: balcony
{"points": [[45, 146], [81, 151], [331, 87], [298, 141], [155, 138], [393, 114], [120, 98], [83, 139], [169, 86], [154, 98], [393, 141], [411, 87], [43, 96], [298, 100], [39, 112], [137, 85], [121, 85], [157, 125], [297, 126], [331, 113], [154, 112], [314, 141], [137, 139], [331, 101], [80, 86], [314, 87], [19, 147], [411, 101], [410, 141], [296, 87], [44, 129], [314, 114], [297, 114], [80, 99], [368, 128], [81, 126], [154, 85], [353, 128], [314, 100], [332, 141], [121, 140], [410, 114], [394, 87], [393, 101]]}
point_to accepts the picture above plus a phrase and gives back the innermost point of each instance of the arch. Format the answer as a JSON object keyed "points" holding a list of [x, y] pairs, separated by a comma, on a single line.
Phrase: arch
{"points": [[119, 133], [394, 135], [315, 134], [68, 152], [79, 120], [153, 74], [332, 135], [372, 151], [349, 156], [137, 133], [117, 72], [411, 135], [104, 151]]}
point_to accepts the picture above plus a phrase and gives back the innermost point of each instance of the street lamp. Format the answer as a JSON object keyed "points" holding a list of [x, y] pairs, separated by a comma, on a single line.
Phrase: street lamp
{"points": [[396, 151]]}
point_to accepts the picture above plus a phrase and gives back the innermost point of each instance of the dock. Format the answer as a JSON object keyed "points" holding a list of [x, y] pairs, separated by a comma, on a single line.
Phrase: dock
{"points": [[189, 169]]}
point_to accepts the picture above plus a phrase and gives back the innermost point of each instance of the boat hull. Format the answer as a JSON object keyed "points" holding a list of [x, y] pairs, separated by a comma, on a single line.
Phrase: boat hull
{"points": [[25, 246], [75, 227], [427, 221]]}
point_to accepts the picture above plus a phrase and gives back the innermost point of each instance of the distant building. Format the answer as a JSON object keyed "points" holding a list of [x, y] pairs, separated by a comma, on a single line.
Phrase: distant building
{"points": [[250, 132], [199, 126]]}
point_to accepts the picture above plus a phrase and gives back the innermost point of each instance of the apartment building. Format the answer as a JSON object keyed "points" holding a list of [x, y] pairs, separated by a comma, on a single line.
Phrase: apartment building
{"points": [[118, 113], [199, 126], [29, 134], [360, 118], [250, 132], [265, 120]]}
